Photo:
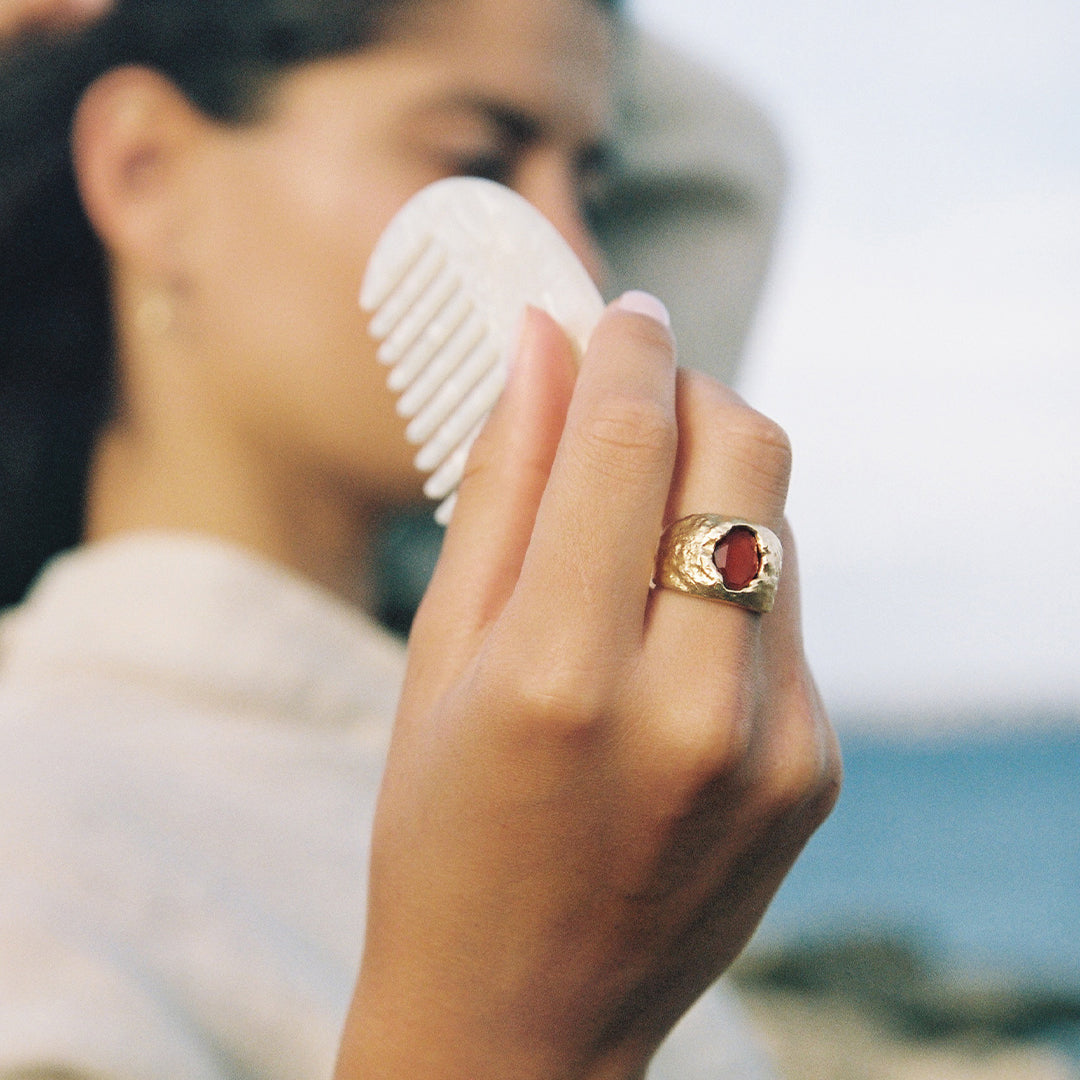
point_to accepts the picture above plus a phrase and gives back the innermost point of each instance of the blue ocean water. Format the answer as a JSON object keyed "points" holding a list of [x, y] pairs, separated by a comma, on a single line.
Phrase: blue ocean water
{"points": [[971, 841]]}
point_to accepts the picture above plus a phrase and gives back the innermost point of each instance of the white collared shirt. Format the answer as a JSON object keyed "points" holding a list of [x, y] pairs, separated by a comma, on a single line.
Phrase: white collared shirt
{"points": [[191, 743]]}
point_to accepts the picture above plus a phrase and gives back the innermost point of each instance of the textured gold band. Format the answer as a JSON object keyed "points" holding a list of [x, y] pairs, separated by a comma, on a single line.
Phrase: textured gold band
{"points": [[720, 558]]}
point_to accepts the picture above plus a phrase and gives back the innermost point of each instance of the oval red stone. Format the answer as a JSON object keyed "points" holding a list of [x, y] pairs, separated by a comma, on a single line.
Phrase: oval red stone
{"points": [[737, 558]]}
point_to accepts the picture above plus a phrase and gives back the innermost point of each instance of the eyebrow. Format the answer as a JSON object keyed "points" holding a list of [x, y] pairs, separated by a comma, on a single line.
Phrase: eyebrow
{"points": [[516, 123], [522, 127]]}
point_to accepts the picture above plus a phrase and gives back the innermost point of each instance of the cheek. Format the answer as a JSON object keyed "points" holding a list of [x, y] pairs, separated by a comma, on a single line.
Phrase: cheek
{"points": [[277, 315], [298, 254], [277, 309]]}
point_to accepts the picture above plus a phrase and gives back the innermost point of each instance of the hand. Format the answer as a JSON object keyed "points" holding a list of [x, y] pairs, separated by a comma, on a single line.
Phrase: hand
{"points": [[593, 789], [17, 16]]}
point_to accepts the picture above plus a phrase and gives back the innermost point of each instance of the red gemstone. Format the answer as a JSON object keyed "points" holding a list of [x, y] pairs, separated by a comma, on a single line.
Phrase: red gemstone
{"points": [[737, 558]]}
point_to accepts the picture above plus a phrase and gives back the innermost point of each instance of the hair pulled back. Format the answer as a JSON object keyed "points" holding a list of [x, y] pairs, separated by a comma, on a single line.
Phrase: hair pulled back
{"points": [[56, 334], [56, 348]]}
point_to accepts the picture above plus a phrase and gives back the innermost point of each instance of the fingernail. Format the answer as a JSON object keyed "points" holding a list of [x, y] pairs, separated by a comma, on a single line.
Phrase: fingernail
{"points": [[643, 303]]}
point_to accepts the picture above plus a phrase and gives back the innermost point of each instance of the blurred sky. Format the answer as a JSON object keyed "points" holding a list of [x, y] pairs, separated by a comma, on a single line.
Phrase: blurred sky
{"points": [[920, 339]]}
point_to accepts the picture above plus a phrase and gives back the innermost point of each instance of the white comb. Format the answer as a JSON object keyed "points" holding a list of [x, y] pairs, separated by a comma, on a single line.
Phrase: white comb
{"points": [[448, 282]]}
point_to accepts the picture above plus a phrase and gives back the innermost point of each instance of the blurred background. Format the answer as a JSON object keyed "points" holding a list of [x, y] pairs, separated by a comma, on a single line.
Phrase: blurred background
{"points": [[920, 341]]}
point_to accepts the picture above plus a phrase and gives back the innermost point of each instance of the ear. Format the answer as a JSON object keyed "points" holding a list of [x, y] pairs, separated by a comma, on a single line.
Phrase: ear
{"points": [[132, 142]]}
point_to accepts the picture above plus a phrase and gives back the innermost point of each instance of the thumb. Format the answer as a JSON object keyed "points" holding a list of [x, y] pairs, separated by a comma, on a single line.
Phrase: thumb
{"points": [[497, 500]]}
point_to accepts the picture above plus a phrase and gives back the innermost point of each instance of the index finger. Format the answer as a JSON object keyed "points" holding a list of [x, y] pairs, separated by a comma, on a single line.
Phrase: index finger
{"points": [[594, 540], [19, 15]]}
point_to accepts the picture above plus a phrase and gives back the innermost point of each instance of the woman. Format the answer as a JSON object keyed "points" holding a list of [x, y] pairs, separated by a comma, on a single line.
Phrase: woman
{"points": [[593, 788]]}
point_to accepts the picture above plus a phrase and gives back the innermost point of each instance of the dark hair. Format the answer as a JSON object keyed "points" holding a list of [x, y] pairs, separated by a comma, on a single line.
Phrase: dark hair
{"points": [[55, 324]]}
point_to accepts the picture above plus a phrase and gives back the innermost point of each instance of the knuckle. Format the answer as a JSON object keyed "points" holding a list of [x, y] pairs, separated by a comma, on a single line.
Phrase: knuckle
{"points": [[553, 704], [761, 444], [627, 436], [557, 700], [485, 466], [806, 771], [701, 750], [718, 755], [483, 457], [830, 777], [721, 739]]}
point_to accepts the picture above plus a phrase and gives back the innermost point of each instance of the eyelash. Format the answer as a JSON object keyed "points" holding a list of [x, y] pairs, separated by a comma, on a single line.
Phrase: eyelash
{"points": [[499, 168], [595, 188], [594, 179]]}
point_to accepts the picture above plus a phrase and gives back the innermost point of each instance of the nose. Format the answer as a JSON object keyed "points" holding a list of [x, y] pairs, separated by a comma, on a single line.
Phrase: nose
{"points": [[554, 188]]}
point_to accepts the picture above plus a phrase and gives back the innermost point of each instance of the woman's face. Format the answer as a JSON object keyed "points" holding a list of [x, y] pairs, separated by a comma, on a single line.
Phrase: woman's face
{"points": [[513, 89]]}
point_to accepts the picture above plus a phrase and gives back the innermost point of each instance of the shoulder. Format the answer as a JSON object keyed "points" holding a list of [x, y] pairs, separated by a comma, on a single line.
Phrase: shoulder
{"points": [[69, 1008], [74, 998]]}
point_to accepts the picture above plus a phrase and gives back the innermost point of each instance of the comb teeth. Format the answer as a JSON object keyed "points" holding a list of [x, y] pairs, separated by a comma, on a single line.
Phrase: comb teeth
{"points": [[437, 336], [442, 361], [447, 362], [471, 410], [417, 275], [422, 319], [447, 283]]}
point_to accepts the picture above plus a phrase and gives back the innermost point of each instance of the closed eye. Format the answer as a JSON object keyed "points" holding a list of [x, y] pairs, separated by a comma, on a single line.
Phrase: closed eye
{"points": [[595, 168]]}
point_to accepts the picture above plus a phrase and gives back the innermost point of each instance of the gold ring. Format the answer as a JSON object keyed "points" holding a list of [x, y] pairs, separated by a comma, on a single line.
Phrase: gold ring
{"points": [[720, 558]]}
